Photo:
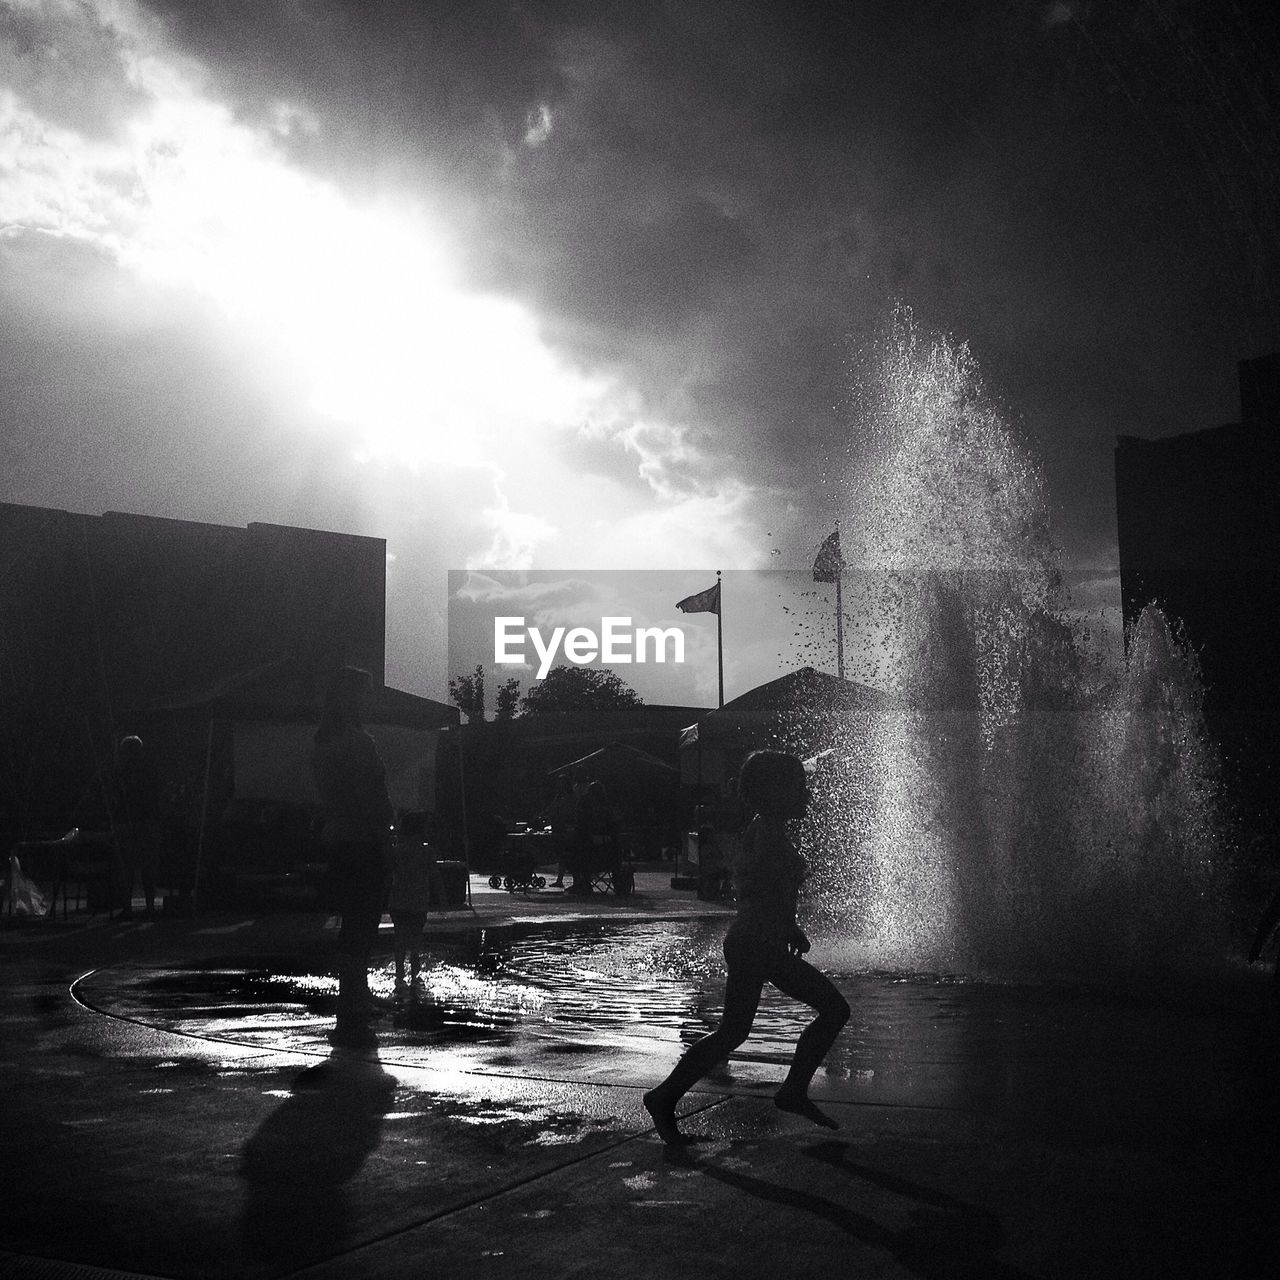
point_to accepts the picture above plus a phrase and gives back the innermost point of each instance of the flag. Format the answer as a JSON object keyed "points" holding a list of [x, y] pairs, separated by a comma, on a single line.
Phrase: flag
{"points": [[707, 601], [829, 564]]}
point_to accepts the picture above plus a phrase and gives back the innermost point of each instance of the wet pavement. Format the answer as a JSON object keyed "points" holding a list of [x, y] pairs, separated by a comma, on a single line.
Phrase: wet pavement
{"points": [[172, 1108]]}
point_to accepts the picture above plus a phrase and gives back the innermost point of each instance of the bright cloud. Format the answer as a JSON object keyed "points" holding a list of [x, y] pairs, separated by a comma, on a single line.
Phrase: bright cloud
{"points": [[360, 298], [716, 526], [356, 304], [517, 535], [539, 126]]}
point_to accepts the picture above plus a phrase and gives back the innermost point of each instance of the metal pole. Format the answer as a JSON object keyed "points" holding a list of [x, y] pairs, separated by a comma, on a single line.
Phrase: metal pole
{"points": [[720, 633], [204, 822], [839, 627], [462, 795]]}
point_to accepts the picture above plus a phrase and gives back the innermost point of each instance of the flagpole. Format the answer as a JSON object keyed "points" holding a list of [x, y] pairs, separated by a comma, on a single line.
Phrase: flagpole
{"points": [[839, 626], [720, 634], [829, 567]]}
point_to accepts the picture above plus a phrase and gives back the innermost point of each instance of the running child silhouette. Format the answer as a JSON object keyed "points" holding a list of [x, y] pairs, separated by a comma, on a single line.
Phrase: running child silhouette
{"points": [[764, 944]]}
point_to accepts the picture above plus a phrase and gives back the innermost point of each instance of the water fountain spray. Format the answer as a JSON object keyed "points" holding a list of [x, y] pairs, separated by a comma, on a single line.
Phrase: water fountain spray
{"points": [[1022, 804]]}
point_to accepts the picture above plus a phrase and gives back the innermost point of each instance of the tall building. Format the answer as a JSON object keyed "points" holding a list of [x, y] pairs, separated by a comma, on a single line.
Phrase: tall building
{"points": [[107, 622], [1198, 520]]}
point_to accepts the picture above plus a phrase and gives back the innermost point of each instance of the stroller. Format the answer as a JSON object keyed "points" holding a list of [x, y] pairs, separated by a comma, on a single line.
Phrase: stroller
{"points": [[518, 868]]}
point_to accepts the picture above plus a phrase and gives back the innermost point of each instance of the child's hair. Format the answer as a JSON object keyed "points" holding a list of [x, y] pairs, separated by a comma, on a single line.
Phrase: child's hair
{"points": [[765, 777]]}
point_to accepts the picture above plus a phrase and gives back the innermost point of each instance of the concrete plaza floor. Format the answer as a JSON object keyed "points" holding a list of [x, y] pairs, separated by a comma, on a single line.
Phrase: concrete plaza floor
{"points": [[160, 1128]]}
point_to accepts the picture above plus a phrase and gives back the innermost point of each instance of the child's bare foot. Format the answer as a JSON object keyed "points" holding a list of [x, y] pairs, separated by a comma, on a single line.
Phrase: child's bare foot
{"points": [[801, 1104], [664, 1119]]}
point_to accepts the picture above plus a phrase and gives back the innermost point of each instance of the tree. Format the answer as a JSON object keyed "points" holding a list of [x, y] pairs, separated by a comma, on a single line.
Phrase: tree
{"points": [[468, 693], [570, 691], [507, 700]]}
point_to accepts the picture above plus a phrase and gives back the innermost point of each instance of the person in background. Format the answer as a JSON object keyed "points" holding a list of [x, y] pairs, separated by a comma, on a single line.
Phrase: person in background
{"points": [[595, 839], [559, 813], [416, 887], [764, 944], [713, 874], [358, 816], [136, 829]]}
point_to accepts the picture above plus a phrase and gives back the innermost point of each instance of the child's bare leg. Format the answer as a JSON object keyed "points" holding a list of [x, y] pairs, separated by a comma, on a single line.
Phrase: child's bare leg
{"points": [[801, 981], [662, 1111], [741, 995]]}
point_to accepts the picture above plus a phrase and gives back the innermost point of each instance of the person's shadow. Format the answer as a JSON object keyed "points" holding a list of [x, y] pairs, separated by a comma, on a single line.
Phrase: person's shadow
{"points": [[296, 1166], [945, 1239]]}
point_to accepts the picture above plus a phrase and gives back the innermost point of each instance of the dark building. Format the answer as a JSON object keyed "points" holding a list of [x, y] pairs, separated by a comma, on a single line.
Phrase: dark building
{"points": [[1199, 534], [109, 623]]}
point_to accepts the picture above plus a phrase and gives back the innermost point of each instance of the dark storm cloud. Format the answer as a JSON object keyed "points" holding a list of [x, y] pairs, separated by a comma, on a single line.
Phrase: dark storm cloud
{"points": [[685, 222], [729, 198], [392, 81], [68, 67]]}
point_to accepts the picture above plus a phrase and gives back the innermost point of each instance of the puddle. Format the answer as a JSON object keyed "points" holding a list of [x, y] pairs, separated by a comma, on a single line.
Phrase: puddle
{"points": [[552, 1000]]}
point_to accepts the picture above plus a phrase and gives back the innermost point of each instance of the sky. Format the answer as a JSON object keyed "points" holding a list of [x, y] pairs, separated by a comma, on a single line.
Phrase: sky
{"points": [[600, 286], [773, 620]]}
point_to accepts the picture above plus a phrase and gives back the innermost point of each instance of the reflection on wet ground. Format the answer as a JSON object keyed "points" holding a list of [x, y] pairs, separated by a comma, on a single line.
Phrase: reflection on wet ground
{"points": [[561, 1002], [654, 979], [994, 1123]]}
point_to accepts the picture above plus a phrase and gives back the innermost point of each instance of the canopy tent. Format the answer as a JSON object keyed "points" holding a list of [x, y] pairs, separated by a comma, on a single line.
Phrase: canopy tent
{"points": [[642, 786], [821, 718], [614, 758], [240, 748], [806, 712], [270, 713]]}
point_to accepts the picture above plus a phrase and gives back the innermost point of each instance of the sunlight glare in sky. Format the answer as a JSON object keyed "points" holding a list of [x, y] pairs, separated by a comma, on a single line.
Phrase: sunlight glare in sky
{"points": [[359, 298], [352, 306]]}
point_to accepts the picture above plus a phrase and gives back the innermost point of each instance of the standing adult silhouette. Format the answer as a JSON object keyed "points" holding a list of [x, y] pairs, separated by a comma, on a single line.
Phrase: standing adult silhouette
{"points": [[135, 822], [352, 783]]}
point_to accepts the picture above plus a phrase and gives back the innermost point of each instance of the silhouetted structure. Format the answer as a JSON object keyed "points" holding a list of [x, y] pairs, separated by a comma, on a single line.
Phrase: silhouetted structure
{"points": [[111, 623], [1198, 521], [509, 768], [804, 711]]}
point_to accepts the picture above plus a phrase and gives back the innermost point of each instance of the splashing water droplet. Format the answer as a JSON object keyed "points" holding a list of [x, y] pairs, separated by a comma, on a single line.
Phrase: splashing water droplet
{"points": [[1018, 803]]}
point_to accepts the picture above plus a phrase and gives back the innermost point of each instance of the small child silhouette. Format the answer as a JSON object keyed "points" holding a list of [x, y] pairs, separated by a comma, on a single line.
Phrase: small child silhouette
{"points": [[415, 887], [764, 944]]}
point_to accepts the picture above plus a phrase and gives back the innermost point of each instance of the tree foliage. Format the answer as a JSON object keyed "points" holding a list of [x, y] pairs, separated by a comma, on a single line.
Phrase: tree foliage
{"points": [[568, 691], [506, 702], [468, 693]]}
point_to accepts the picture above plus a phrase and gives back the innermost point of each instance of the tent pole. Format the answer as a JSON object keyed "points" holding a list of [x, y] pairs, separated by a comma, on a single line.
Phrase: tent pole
{"points": [[204, 821], [462, 792], [466, 829]]}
